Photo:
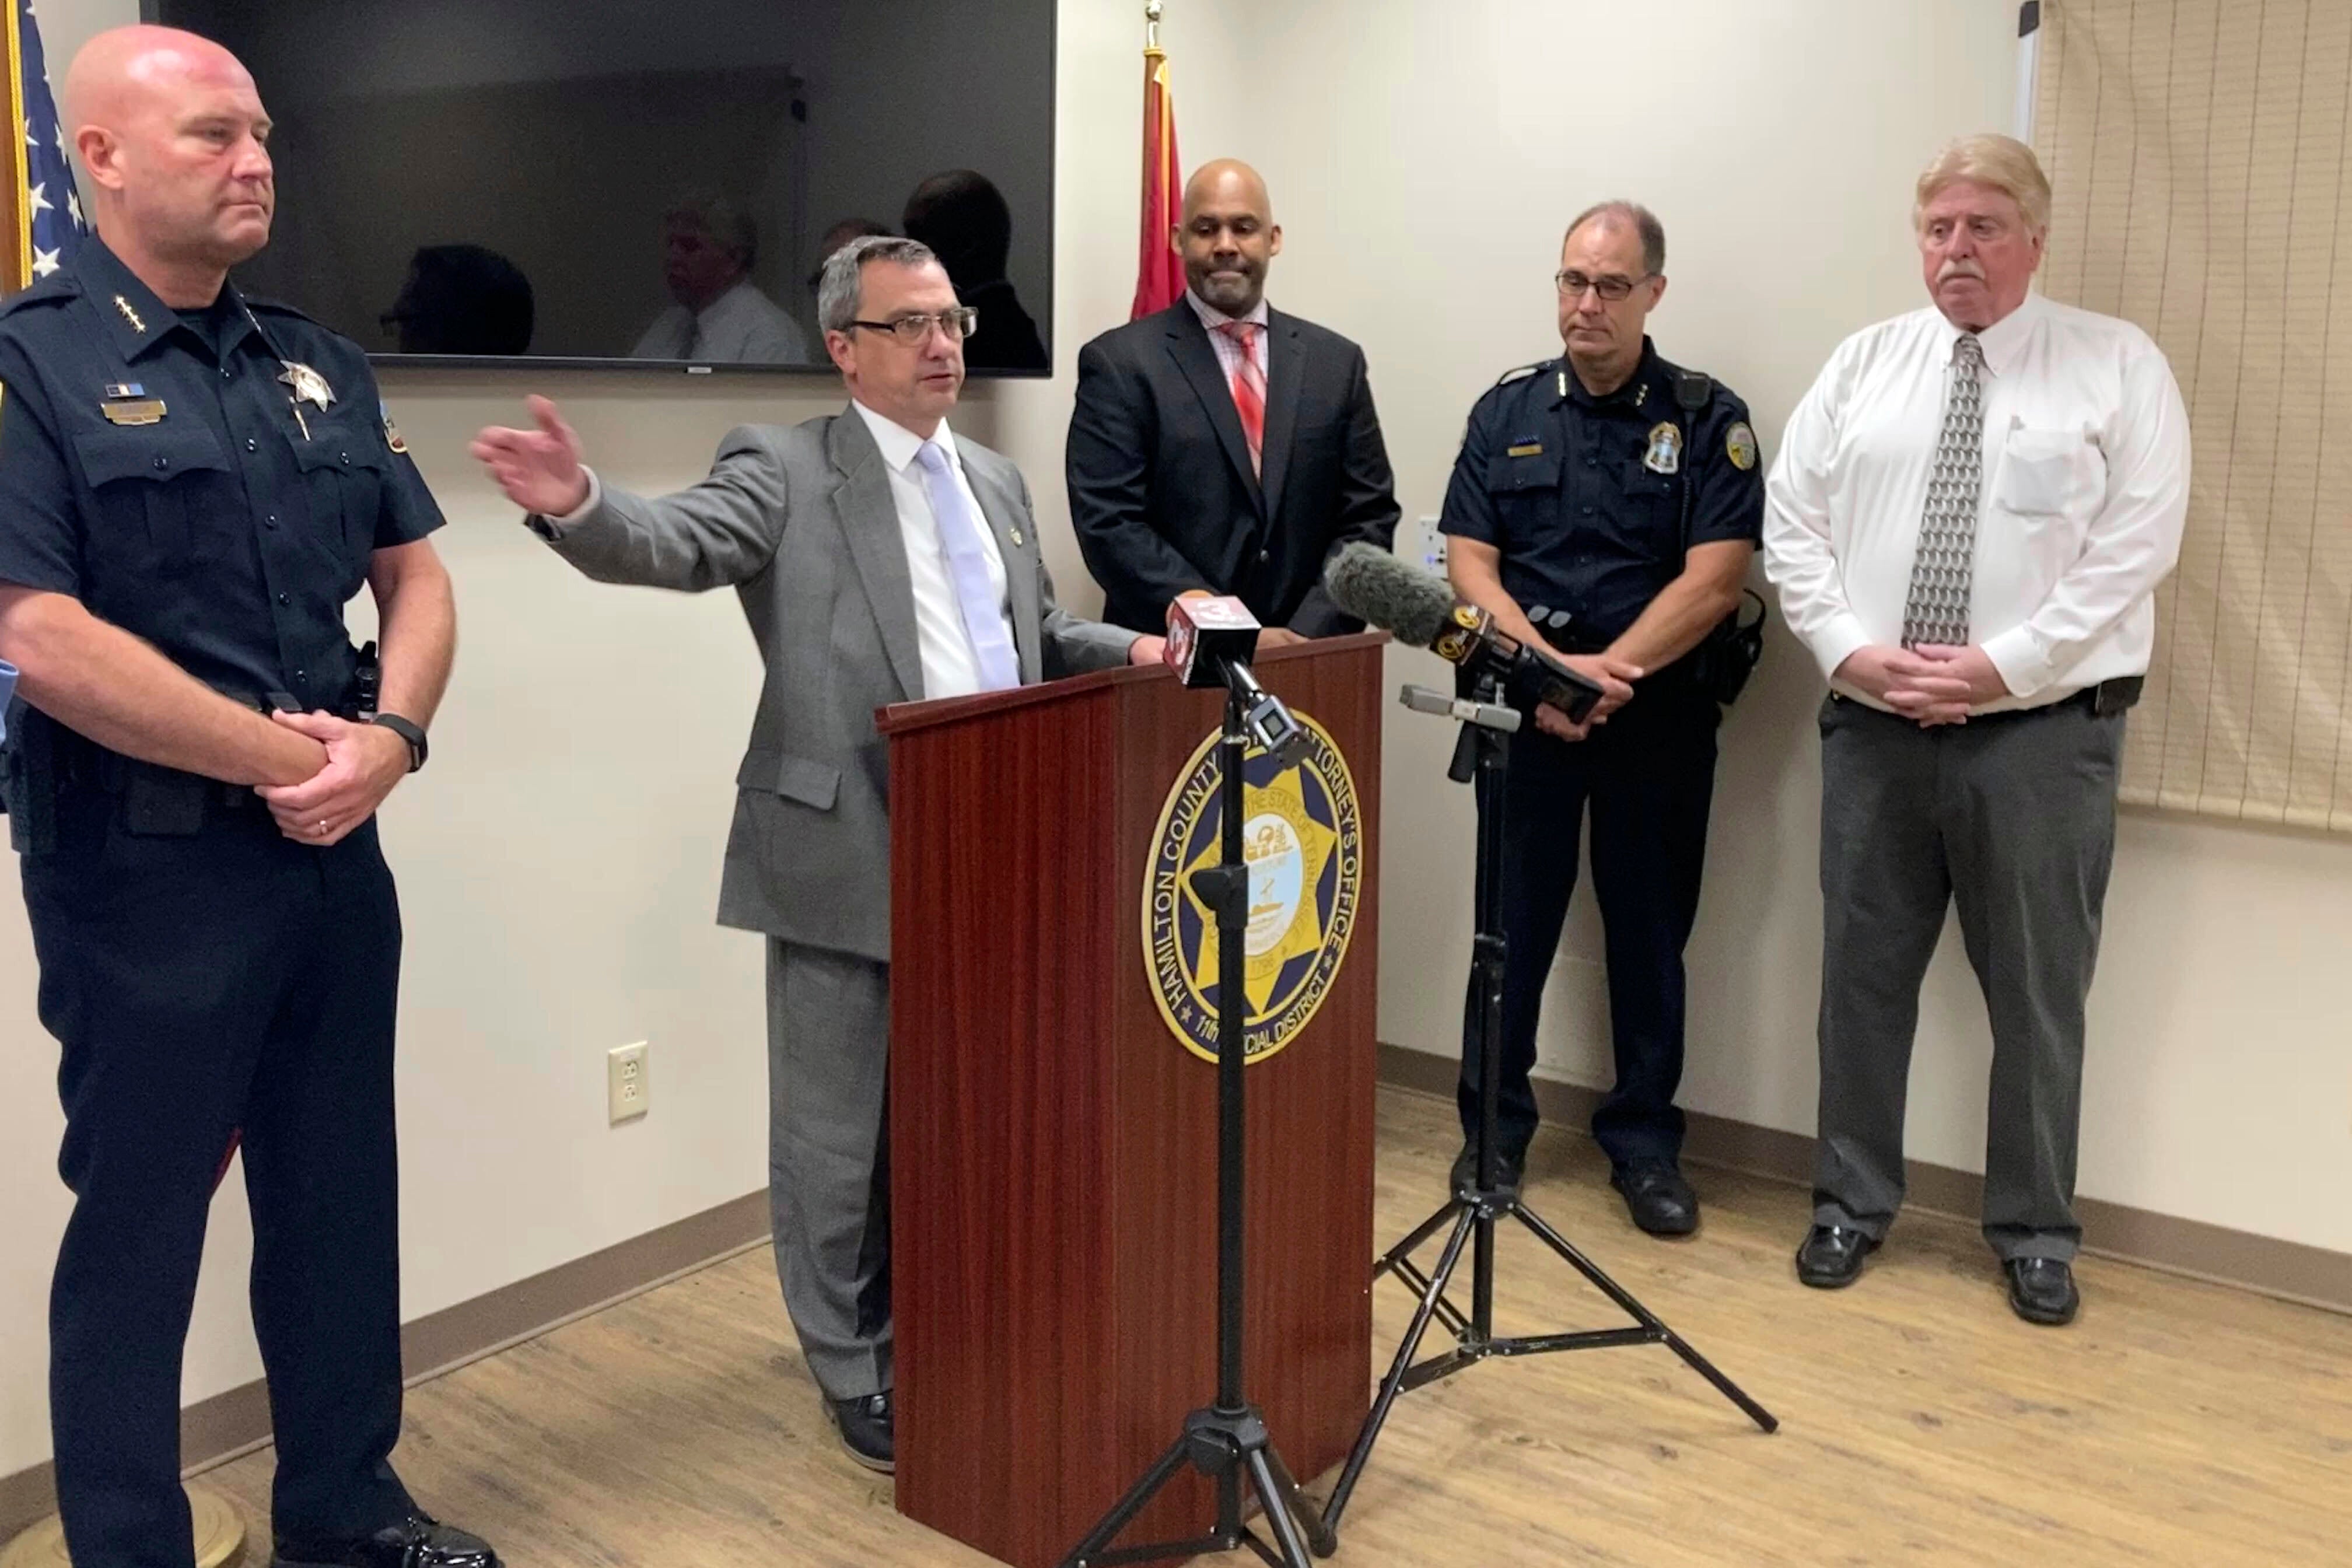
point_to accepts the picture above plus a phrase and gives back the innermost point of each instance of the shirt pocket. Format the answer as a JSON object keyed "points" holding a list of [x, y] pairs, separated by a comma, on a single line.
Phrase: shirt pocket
{"points": [[1524, 492], [345, 470], [2047, 473], [1651, 518], [156, 486]]}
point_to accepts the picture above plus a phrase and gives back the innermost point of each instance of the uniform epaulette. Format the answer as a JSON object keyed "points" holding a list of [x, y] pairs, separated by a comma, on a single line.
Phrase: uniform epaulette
{"points": [[1520, 373], [278, 308], [48, 291]]}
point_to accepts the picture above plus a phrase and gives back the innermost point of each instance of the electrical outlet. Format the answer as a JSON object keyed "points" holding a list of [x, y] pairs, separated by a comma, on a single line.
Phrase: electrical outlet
{"points": [[625, 1084], [1433, 545]]}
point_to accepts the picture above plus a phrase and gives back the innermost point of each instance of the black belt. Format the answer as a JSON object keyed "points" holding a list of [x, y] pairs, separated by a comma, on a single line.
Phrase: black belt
{"points": [[154, 799], [2117, 696]]}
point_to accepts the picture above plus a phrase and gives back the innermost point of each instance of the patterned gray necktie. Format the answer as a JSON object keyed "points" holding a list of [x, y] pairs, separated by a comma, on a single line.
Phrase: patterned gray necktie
{"points": [[1942, 570]]}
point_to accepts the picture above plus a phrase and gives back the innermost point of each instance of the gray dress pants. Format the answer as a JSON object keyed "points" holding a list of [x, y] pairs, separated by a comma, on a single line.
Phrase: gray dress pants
{"points": [[829, 1160], [2011, 817]]}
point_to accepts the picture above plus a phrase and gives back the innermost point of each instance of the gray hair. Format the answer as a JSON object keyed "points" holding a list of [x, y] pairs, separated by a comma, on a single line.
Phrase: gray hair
{"points": [[2004, 162], [838, 290], [1646, 223], [720, 218]]}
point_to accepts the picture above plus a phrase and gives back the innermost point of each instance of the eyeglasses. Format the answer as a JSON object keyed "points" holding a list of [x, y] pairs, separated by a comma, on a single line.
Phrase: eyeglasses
{"points": [[1572, 285], [958, 324]]}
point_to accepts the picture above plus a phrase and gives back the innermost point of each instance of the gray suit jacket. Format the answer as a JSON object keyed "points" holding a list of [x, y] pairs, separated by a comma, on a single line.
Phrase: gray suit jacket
{"points": [[801, 524]]}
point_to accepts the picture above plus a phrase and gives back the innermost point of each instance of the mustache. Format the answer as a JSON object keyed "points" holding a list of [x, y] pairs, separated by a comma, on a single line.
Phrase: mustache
{"points": [[1959, 267]]}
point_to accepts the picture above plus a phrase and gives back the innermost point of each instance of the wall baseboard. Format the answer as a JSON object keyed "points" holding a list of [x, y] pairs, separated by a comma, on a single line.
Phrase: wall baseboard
{"points": [[2311, 1275], [217, 1430]]}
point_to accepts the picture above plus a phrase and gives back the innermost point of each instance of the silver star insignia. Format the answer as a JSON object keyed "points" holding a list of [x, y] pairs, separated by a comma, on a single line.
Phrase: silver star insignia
{"points": [[309, 385]]}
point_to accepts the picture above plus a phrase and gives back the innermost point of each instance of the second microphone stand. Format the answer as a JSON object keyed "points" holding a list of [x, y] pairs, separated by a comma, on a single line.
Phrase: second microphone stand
{"points": [[1476, 1207]]}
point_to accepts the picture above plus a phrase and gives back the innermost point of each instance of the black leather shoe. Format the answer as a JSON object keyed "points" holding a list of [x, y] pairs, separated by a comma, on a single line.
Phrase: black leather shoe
{"points": [[415, 1541], [1831, 1257], [866, 1431], [2041, 1290], [1660, 1201], [1510, 1168]]}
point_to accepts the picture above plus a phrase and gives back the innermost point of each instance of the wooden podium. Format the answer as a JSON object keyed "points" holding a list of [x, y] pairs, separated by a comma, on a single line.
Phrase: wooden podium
{"points": [[1054, 1140]]}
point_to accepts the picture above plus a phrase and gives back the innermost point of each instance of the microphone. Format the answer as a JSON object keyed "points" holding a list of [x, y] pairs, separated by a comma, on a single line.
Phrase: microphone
{"points": [[1206, 635], [1373, 585], [1209, 642]]}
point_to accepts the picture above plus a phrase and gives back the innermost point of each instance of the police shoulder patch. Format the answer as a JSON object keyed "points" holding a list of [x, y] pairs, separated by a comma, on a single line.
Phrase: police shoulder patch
{"points": [[1739, 446]]}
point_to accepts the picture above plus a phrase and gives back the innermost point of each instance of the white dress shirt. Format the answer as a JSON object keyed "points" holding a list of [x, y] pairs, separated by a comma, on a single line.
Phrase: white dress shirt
{"points": [[742, 326], [950, 666], [2085, 488]]}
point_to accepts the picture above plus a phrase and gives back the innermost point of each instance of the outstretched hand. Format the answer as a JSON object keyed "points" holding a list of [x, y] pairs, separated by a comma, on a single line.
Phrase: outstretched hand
{"points": [[539, 468]]}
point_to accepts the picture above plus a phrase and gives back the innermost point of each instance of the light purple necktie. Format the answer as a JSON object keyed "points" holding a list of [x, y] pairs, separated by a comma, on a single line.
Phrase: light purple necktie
{"points": [[983, 610]]}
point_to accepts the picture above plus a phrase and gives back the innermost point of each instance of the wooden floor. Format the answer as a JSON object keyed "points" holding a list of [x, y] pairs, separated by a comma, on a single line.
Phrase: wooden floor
{"points": [[2175, 1422]]}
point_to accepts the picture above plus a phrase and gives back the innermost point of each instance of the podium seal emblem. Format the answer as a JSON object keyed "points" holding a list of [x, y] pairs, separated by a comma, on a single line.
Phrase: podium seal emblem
{"points": [[1304, 839]]}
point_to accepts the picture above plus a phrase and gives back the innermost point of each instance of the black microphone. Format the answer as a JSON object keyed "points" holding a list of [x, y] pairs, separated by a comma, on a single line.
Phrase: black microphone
{"points": [[1209, 642], [1373, 585]]}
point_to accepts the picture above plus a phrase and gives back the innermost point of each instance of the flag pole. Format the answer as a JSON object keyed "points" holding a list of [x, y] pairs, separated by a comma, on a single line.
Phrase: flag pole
{"points": [[16, 207]]}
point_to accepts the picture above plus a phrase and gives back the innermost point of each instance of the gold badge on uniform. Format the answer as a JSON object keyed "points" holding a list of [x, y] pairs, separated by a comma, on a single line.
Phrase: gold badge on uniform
{"points": [[1739, 446], [1525, 449], [1665, 453], [127, 403]]}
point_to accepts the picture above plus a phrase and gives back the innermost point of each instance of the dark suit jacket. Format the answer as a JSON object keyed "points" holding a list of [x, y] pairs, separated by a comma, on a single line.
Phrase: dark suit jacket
{"points": [[1160, 487]]}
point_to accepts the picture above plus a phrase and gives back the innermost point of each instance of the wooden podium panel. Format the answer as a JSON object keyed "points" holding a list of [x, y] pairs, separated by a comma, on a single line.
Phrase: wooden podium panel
{"points": [[1054, 1143]]}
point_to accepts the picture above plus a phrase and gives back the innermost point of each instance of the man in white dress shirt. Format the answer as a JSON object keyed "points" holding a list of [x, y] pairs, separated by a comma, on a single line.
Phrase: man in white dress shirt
{"points": [[880, 558], [720, 316], [1969, 516]]}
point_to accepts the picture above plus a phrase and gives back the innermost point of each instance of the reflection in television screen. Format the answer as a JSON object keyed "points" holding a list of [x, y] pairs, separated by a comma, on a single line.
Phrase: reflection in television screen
{"points": [[619, 182]]}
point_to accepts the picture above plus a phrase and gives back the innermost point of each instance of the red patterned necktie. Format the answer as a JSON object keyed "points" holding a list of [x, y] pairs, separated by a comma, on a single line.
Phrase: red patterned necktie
{"points": [[1249, 388]]}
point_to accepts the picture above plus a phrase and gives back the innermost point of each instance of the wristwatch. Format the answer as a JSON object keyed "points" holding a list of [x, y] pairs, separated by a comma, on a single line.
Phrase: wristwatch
{"points": [[414, 736]]}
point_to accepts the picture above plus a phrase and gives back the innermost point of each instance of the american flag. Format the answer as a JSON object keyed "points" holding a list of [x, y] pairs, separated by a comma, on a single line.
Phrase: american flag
{"points": [[52, 209]]}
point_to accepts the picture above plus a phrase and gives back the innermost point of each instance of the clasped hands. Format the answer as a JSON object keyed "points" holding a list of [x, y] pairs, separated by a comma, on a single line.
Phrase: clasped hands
{"points": [[1614, 676], [1930, 685], [364, 763]]}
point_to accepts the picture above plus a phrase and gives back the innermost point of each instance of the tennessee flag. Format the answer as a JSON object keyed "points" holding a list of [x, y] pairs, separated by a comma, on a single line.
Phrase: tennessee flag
{"points": [[1158, 271]]}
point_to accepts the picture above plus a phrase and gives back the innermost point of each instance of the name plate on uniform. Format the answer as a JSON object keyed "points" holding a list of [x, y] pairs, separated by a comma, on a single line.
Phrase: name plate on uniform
{"points": [[133, 410]]}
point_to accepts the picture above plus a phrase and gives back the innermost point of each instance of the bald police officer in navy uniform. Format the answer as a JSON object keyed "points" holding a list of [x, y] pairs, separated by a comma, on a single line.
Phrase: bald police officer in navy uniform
{"points": [[192, 487], [1605, 504]]}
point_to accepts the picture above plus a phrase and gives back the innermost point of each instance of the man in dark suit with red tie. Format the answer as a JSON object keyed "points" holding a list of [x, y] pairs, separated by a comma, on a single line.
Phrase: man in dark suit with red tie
{"points": [[1219, 447]]}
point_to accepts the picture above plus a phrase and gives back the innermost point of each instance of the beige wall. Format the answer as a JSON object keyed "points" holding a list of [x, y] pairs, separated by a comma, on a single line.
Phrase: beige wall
{"points": [[559, 860]]}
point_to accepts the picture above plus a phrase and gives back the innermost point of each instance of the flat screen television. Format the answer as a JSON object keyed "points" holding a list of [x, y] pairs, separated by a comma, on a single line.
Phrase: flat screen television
{"points": [[641, 183]]}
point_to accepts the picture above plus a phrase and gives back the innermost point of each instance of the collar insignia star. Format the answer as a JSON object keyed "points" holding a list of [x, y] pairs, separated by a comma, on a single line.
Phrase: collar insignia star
{"points": [[129, 314]]}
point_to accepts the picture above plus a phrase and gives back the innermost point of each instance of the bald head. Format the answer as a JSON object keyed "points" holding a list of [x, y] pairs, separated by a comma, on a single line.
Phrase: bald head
{"points": [[1227, 235], [1226, 182], [172, 132], [122, 72]]}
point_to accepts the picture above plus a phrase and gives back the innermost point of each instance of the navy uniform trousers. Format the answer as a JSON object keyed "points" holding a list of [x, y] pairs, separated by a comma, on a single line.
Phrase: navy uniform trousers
{"points": [[1647, 775], [201, 983]]}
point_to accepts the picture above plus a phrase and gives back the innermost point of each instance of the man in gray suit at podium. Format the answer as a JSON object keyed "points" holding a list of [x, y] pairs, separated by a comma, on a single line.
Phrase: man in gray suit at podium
{"points": [[880, 559]]}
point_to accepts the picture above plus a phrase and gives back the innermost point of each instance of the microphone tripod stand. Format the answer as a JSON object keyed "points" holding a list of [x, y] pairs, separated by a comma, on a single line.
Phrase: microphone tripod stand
{"points": [[1484, 750], [1227, 1441]]}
